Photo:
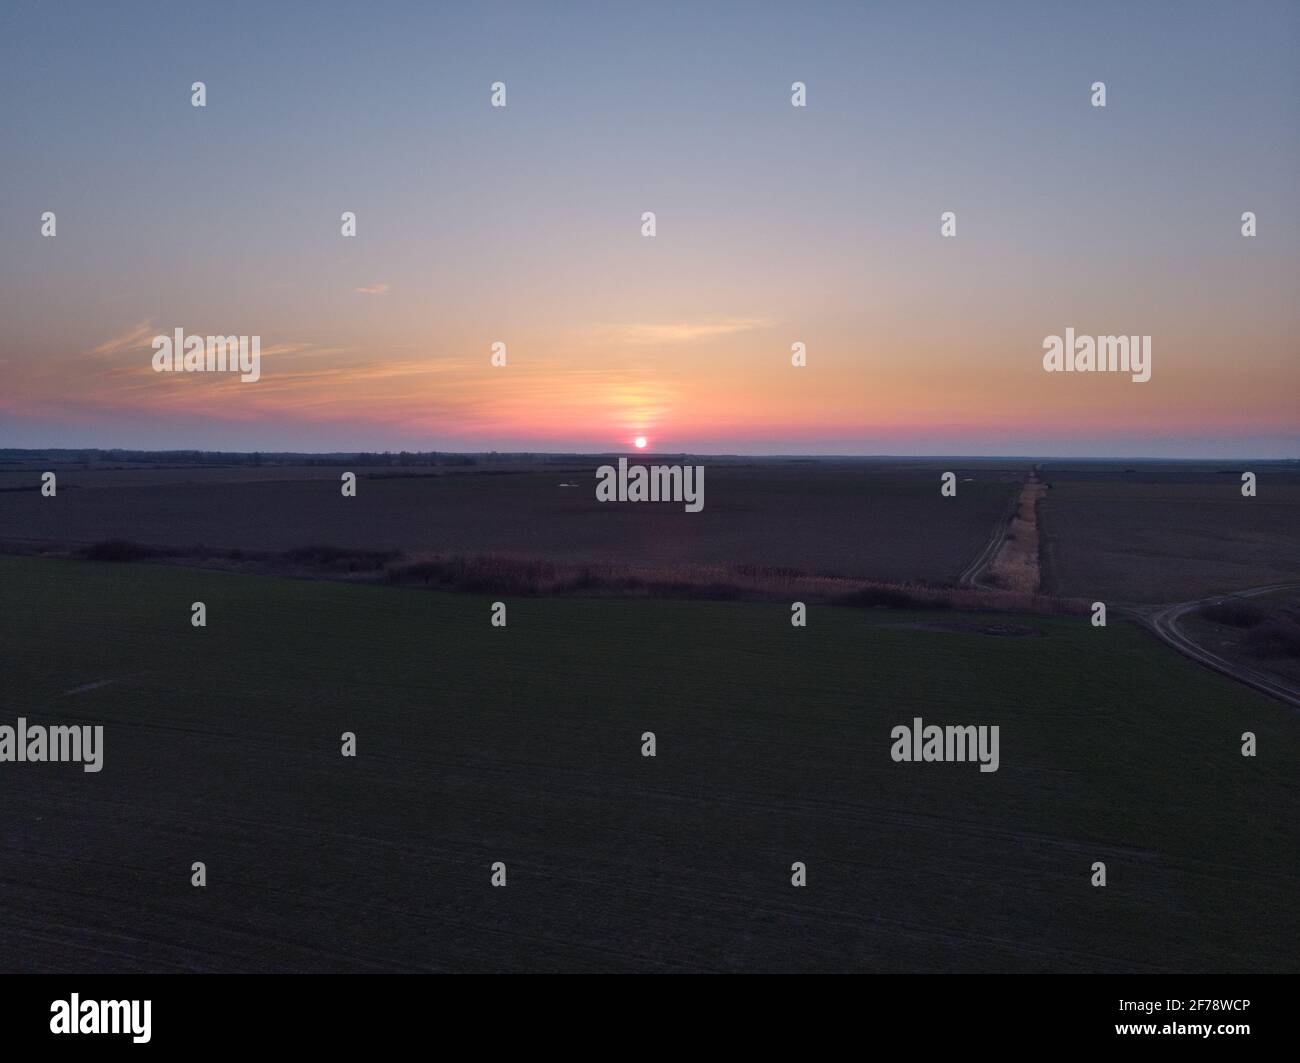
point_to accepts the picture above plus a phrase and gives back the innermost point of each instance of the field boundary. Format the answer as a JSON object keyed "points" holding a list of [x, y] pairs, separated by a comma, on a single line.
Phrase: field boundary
{"points": [[529, 576]]}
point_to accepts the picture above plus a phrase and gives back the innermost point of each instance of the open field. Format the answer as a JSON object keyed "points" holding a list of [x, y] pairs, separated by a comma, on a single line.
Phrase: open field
{"points": [[1144, 532], [878, 520], [522, 745], [1167, 532]]}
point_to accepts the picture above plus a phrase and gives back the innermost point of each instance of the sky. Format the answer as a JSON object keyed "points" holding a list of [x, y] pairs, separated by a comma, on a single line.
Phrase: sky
{"points": [[775, 225]]}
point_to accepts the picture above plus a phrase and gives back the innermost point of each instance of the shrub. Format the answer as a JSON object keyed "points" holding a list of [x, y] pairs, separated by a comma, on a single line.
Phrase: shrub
{"points": [[1235, 612], [882, 598], [120, 550], [1278, 636], [338, 559], [478, 575]]}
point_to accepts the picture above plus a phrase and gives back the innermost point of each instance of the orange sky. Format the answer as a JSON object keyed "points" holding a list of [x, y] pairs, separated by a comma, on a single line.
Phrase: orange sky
{"points": [[775, 225]]}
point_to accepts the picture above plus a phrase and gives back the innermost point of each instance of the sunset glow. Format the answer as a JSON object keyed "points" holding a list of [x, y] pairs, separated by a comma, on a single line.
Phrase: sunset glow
{"points": [[914, 343]]}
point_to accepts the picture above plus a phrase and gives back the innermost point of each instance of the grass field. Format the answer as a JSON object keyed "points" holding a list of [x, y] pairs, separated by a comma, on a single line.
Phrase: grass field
{"points": [[523, 745]]}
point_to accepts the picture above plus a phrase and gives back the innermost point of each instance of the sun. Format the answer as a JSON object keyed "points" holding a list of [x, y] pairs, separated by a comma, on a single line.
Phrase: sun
{"points": [[640, 442]]}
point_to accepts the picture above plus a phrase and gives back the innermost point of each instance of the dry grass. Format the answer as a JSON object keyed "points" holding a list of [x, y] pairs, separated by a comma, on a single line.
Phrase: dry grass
{"points": [[500, 574], [528, 576], [1015, 567]]}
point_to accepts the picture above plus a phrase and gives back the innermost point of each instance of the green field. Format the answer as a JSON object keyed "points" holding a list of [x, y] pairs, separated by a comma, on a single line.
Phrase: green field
{"points": [[523, 745]]}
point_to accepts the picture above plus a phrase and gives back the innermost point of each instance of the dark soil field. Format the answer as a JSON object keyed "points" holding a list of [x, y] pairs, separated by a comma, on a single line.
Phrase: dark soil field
{"points": [[874, 519], [1167, 532], [522, 744]]}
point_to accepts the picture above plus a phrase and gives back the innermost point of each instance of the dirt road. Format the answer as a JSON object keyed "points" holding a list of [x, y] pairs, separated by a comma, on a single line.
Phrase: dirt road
{"points": [[970, 575], [1163, 622]]}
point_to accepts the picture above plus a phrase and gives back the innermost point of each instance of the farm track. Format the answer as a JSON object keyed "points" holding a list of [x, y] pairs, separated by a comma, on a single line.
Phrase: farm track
{"points": [[1163, 623], [970, 575], [1160, 620]]}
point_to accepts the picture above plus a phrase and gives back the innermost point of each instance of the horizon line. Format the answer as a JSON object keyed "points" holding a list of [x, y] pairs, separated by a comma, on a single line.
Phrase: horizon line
{"points": [[644, 454]]}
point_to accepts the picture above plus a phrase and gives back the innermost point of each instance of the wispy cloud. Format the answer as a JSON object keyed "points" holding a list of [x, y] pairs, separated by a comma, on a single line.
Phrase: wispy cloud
{"points": [[373, 289], [140, 337], [133, 338], [681, 331]]}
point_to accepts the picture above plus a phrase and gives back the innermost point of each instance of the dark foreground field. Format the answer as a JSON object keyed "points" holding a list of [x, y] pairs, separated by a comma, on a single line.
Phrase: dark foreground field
{"points": [[522, 745]]}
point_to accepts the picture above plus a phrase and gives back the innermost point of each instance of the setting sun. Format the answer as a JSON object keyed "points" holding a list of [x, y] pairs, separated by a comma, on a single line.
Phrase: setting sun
{"points": [[640, 442]]}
